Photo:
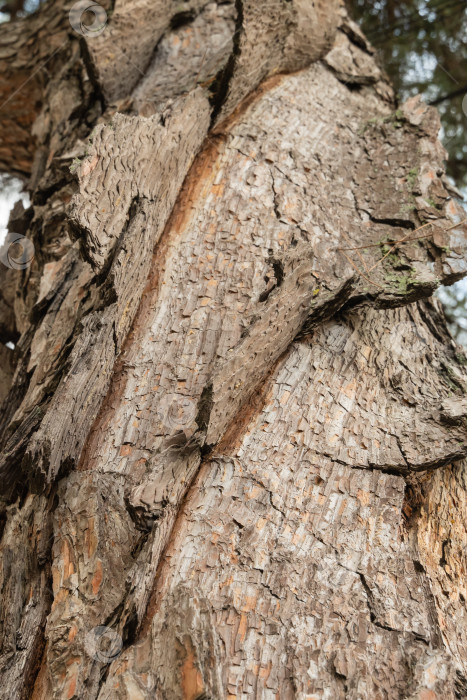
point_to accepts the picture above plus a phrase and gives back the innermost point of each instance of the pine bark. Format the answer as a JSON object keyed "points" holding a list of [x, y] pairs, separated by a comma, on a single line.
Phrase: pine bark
{"points": [[234, 424]]}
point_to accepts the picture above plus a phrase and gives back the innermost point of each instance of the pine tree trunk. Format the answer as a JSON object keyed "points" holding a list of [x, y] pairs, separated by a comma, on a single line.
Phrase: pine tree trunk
{"points": [[234, 427]]}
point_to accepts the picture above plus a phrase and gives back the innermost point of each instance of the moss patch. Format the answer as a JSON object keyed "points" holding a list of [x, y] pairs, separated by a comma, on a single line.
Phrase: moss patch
{"points": [[411, 178], [398, 273], [396, 119]]}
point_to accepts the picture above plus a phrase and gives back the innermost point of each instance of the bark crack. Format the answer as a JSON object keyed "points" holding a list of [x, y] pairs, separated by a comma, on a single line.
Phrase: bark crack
{"points": [[374, 615], [222, 82]]}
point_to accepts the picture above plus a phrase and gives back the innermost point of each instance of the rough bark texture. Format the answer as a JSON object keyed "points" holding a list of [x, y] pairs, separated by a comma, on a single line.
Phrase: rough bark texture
{"points": [[234, 425]]}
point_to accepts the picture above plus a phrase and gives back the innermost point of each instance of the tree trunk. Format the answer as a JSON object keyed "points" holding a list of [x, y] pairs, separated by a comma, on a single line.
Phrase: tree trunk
{"points": [[234, 424]]}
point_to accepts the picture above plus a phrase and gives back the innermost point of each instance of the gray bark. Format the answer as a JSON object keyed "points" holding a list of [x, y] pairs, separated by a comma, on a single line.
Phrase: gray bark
{"points": [[234, 421]]}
